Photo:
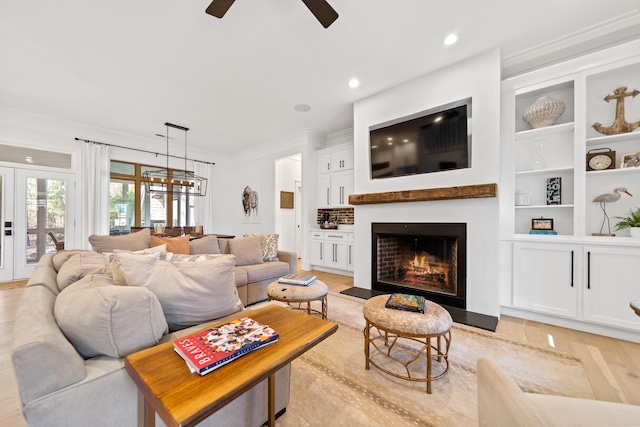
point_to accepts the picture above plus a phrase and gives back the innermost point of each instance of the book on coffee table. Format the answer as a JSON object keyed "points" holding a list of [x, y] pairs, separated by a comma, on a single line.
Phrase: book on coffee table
{"points": [[406, 302], [207, 350], [298, 279]]}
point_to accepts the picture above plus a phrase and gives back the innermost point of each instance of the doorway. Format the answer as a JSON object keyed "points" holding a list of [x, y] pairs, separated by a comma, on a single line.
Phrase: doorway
{"points": [[34, 218], [288, 181]]}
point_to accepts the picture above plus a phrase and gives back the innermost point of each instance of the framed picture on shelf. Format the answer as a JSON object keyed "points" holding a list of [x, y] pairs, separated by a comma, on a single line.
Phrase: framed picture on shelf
{"points": [[554, 186], [631, 160], [542, 224]]}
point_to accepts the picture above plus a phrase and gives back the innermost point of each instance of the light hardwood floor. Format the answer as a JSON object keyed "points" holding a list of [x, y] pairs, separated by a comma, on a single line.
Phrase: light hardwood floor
{"points": [[613, 366]]}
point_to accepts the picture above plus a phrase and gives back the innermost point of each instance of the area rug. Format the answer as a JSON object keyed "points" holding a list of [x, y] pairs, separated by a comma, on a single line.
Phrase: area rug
{"points": [[330, 386]]}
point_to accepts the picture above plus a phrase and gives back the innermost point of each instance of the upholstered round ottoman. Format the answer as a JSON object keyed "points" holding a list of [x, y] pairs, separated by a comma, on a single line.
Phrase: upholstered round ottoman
{"points": [[400, 337], [295, 295]]}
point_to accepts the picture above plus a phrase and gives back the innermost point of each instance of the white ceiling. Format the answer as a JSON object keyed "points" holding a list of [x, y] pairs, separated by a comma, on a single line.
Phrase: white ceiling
{"points": [[130, 66]]}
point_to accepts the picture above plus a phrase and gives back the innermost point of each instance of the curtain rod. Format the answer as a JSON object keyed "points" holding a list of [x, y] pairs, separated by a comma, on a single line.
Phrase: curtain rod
{"points": [[143, 151]]}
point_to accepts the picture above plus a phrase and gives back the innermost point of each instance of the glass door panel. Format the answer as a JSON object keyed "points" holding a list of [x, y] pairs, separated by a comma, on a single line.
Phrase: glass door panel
{"points": [[42, 220]]}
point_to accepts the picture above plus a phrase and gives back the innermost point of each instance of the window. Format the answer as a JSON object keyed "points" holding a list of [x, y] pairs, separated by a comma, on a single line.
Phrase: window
{"points": [[131, 206]]}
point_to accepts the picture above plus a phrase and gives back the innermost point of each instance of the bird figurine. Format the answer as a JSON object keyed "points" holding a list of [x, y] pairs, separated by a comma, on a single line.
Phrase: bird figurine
{"points": [[603, 199]]}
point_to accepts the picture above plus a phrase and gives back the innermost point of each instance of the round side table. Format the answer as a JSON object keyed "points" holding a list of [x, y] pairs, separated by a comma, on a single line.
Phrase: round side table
{"points": [[295, 294], [393, 326]]}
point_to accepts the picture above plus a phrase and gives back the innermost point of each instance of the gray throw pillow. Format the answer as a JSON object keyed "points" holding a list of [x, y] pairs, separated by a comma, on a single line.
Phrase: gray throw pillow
{"points": [[191, 292], [204, 245], [248, 250], [129, 242], [78, 266], [100, 318]]}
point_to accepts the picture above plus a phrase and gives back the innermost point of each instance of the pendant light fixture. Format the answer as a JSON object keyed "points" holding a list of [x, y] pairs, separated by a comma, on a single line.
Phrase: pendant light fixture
{"points": [[180, 182]]}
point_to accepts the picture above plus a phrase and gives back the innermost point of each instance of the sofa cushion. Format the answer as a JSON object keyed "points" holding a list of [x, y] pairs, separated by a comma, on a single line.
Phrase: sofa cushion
{"points": [[78, 266], [247, 250], [99, 318], [39, 348], [269, 244], [177, 245], [190, 292], [131, 242], [241, 276], [204, 245], [265, 271]]}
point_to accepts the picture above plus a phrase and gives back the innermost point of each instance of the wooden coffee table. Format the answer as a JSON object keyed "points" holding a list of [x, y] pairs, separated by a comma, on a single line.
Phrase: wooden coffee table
{"points": [[165, 383]]}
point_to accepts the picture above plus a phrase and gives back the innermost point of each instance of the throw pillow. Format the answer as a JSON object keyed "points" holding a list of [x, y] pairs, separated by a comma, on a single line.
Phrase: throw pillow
{"points": [[113, 265], [269, 245], [130, 242], [99, 318], [78, 266], [60, 257], [247, 250], [204, 245], [190, 292], [177, 245]]}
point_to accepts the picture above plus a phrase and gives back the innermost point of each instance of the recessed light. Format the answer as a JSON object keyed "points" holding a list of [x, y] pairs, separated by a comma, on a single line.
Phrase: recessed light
{"points": [[437, 119], [450, 39], [354, 83], [302, 108]]}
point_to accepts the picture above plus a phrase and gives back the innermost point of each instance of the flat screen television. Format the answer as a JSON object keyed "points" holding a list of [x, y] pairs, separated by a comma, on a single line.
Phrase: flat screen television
{"points": [[431, 141]]}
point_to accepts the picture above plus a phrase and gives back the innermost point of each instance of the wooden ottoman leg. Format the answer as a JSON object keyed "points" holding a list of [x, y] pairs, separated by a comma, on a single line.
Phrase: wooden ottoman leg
{"points": [[429, 365], [325, 306], [367, 329]]}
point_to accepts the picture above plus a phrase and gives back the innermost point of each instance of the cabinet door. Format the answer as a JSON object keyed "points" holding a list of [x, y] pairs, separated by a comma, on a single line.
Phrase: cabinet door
{"points": [[544, 278], [350, 247], [341, 187], [342, 160], [611, 283], [317, 256], [324, 163], [324, 191], [335, 255]]}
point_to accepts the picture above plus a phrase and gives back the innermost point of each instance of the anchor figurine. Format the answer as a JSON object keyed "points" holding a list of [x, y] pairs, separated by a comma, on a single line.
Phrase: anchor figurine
{"points": [[620, 125]]}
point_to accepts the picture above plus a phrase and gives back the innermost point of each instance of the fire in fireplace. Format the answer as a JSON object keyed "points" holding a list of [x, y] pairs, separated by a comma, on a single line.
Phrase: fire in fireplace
{"points": [[426, 259]]}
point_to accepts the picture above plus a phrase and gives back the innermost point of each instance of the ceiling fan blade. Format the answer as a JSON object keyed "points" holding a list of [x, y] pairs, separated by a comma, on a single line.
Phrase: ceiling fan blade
{"points": [[218, 8], [322, 11]]}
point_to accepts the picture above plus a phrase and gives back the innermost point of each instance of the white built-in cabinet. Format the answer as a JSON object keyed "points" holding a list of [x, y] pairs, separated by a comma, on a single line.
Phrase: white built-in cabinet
{"points": [[544, 278], [611, 280], [342, 160], [577, 275], [332, 249], [335, 177]]}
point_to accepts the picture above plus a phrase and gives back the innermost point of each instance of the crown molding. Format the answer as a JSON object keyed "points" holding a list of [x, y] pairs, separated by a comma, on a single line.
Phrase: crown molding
{"points": [[613, 31]]}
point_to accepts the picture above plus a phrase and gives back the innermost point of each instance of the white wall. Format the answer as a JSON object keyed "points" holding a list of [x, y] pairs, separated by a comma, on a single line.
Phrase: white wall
{"points": [[478, 78]]}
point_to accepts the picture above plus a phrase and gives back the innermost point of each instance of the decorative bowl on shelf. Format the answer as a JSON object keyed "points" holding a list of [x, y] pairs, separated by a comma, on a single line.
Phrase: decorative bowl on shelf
{"points": [[544, 112]]}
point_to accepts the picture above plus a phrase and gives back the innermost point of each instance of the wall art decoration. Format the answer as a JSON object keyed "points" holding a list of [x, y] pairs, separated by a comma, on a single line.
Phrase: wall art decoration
{"points": [[251, 204], [554, 187], [286, 200]]}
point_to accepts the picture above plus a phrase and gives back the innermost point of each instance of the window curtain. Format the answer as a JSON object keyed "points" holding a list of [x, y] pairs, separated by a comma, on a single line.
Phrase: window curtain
{"points": [[95, 192], [203, 205]]}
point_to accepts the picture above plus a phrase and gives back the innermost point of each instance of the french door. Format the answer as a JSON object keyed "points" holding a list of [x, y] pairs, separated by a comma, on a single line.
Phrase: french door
{"points": [[34, 210]]}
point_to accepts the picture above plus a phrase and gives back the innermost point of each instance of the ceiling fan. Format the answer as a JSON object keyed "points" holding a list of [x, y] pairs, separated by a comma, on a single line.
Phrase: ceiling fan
{"points": [[320, 9]]}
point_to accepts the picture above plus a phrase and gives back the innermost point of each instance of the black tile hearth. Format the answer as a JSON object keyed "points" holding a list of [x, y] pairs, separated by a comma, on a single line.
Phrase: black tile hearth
{"points": [[459, 315]]}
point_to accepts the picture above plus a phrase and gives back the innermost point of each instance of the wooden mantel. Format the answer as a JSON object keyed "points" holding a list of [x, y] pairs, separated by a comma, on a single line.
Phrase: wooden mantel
{"points": [[426, 194]]}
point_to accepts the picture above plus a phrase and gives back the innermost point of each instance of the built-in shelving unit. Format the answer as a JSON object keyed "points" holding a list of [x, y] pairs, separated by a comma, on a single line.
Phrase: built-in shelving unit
{"points": [[577, 278]]}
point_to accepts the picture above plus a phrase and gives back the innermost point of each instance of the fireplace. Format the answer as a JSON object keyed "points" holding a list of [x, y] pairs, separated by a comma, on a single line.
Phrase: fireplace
{"points": [[428, 259]]}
